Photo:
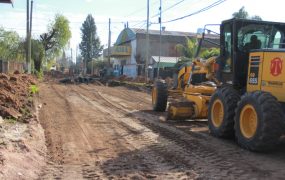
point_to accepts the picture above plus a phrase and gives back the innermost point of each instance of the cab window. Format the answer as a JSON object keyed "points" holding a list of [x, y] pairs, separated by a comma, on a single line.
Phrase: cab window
{"points": [[228, 48], [252, 40], [277, 40], [258, 37]]}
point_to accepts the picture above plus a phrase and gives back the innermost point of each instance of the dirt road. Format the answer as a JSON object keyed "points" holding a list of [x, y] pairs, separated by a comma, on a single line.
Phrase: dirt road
{"points": [[98, 132]]}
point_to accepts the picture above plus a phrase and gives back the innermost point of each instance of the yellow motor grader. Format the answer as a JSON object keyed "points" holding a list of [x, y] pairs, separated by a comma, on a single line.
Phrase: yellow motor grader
{"points": [[190, 97], [249, 104]]}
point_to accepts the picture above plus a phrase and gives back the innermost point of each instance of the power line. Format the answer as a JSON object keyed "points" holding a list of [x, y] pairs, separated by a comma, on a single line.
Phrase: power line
{"points": [[168, 8], [38, 19], [141, 23], [197, 12], [21, 29], [139, 10], [96, 22]]}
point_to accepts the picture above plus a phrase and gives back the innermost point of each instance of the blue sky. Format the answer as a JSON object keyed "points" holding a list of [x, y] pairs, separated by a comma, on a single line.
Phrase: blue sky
{"points": [[132, 11]]}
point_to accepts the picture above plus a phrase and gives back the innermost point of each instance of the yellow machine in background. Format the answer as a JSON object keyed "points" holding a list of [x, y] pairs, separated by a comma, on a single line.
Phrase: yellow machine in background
{"points": [[191, 96]]}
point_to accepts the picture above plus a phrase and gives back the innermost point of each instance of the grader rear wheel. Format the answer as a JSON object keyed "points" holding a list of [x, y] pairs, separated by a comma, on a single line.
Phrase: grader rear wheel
{"points": [[159, 96], [259, 121], [222, 111]]}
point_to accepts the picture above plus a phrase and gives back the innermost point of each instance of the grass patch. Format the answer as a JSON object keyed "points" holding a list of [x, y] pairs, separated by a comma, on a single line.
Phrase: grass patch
{"points": [[25, 111], [10, 120], [34, 89]]}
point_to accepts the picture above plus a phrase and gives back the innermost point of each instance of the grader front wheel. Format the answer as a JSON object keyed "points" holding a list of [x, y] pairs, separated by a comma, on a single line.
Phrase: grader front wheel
{"points": [[217, 113], [221, 112]]}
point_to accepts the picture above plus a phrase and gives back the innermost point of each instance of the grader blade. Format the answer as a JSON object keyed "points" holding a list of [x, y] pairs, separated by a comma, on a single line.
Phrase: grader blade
{"points": [[180, 111]]}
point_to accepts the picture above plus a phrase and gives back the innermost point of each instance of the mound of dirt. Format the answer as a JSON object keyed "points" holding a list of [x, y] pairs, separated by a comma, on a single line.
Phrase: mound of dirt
{"points": [[22, 148], [14, 95]]}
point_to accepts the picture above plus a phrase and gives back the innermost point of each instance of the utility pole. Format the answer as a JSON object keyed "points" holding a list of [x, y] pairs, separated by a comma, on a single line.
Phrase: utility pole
{"points": [[159, 40], [147, 43], [30, 36], [31, 17], [71, 61], [27, 36], [76, 54], [109, 44], [91, 50], [84, 58], [85, 66]]}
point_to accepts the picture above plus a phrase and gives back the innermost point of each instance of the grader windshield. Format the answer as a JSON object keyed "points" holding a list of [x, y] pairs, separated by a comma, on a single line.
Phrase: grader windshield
{"points": [[265, 36]]}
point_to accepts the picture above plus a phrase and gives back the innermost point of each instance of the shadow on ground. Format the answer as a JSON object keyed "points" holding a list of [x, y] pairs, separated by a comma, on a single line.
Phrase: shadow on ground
{"points": [[180, 152]]}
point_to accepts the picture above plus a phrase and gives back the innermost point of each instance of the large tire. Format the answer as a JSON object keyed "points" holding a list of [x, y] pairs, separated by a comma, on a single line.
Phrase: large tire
{"points": [[221, 112], [159, 96], [259, 121]]}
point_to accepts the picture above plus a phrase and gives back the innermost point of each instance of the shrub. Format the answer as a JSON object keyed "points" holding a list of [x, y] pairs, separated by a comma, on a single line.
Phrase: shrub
{"points": [[34, 89]]}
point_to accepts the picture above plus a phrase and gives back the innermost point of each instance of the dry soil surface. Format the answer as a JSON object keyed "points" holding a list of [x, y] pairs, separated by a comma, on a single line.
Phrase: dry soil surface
{"points": [[98, 132], [22, 149]]}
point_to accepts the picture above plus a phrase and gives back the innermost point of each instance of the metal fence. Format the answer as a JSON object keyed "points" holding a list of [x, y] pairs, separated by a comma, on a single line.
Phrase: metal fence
{"points": [[11, 67]]}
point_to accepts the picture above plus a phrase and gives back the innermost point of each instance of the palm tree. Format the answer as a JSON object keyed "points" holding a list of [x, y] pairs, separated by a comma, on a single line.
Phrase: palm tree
{"points": [[187, 51]]}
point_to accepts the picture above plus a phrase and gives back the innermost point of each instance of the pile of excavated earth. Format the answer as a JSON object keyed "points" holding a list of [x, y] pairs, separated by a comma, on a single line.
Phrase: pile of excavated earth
{"points": [[22, 141], [15, 101]]}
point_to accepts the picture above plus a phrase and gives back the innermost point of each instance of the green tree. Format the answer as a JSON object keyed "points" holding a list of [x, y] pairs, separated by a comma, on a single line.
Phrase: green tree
{"points": [[63, 61], [90, 45], [207, 53], [187, 51], [191, 47], [57, 37], [37, 54], [243, 14], [11, 46], [255, 17]]}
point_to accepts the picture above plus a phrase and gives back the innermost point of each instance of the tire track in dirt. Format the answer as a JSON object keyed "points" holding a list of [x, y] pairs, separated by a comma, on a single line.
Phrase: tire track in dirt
{"points": [[60, 167], [70, 112], [149, 159], [225, 162], [139, 97], [134, 160], [141, 146], [170, 133]]}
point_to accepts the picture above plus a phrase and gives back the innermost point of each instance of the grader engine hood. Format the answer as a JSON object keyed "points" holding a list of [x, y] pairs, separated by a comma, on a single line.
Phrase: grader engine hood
{"points": [[266, 72]]}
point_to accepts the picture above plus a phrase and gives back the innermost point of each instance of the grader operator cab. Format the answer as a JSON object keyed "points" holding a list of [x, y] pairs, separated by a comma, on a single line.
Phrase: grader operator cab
{"points": [[248, 101], [250, 105]]}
